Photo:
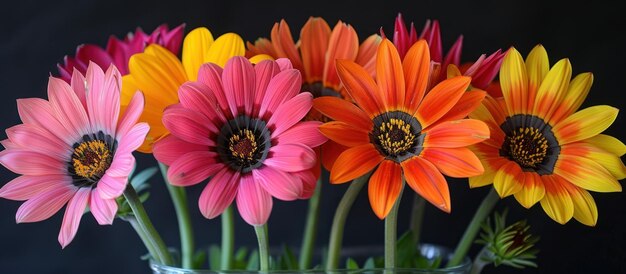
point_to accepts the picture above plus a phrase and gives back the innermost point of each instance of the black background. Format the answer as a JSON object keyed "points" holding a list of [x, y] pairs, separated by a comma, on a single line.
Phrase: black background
{"points": [[35, 35]]}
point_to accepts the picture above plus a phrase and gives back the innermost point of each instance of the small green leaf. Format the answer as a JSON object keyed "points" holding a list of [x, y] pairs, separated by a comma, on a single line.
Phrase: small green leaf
{"points": [[290, 261], [139, 181], [351, 264], [253, 261], [199, 258], [369, 263], [406, 250], [215, 257]]}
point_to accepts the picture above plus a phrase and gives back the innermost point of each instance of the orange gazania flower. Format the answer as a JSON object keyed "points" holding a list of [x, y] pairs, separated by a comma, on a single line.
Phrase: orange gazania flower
{"points": [[399, 128], [541, 148], [314, 55]]}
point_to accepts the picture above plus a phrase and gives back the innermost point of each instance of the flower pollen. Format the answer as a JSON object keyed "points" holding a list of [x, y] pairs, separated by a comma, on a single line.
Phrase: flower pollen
{"points": [[527, 146], [91, 159]]}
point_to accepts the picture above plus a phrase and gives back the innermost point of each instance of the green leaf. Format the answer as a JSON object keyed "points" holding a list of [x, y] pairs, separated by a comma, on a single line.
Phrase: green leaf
{"points": [[199, 258], [406, 250], [369, 263], [290, 261], [240, 259], [253, 261], [139, 181], [351, 264], [215, 257]]}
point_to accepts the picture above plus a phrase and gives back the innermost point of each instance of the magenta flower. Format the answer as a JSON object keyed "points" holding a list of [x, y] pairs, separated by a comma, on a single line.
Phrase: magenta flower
{"points": [[118, 52], [241, 127], [73, 150], [482, 71]]}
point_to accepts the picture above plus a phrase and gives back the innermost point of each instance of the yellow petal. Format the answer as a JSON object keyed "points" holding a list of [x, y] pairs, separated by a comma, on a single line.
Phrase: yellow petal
{"points": [[157, 74], [552, 90], [195, 47], [225, 47], [608, 160], [608, 143], [557, 202], [537, 66], [533, 190], [584, 124], [586, 173], [509, 179], [585, 209], [260, 57], [576, 94], [453, 71], [514, 82]]}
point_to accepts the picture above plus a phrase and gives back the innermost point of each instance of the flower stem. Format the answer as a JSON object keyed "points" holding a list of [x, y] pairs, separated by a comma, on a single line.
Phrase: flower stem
{"points": [[485, 208], [479, 263], [336, 230], [179, 198], [264, 252], [310, 230], [144, 221], [417, 218], [228, 239], [142, 235], [391, 232]]}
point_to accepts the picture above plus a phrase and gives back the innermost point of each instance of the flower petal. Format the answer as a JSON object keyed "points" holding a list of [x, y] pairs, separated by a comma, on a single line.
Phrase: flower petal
{"points": [[279, 184], [43, 205], [219, 193], [354, 162], [26, 187], [454, 162], [343, 44], [384, 187], [67, 107], [608, 160], [390, 76], [458, 133], [36, 139], [265, 71], [577, 92], [424, 178], [330, 152], [26, 162], [111, 187], [552, 90], [282, 87], [557, 202], [313, 46], [238, 82], [133, 138], [306, 133], [103, 210], [361, 87], [344, 134], [290, 113], [607, 143], [469, 101], [343, 111], [509, 179], [73, 213], [253, 202], [195, 49], [532, 191], [416, 66], [291, 157], [193, 167], [585, 209], [170, 148], [584, 124], [38, 112], [189, 125], [131, 114], [441, 99], [537, 66], [284, 45], [586, 173]]}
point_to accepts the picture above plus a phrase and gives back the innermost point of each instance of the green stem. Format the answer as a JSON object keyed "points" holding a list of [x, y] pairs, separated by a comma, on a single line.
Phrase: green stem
{"points": [[485, 208], [336, 231], [391, 232], [417, 218], [179, 198], [479, 263], [142, 235], [264, 252], [228, 239], [310, 230], [144, 222]]}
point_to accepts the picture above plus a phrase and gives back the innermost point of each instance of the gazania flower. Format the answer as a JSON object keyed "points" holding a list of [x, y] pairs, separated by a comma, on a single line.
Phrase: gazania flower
{"points": [[241, 127], [541, 148], [482, 71], [396, 128], [117, 52], [314, 56], [73, 150], [159, 73]]}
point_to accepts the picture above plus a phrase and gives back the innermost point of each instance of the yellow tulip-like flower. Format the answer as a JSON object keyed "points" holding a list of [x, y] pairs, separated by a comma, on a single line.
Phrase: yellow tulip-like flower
{"points": [[158, 73]]}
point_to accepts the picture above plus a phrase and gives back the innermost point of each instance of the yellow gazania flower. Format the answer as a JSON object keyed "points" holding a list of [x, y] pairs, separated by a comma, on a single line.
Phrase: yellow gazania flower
{"points": [[159, 73], [541, 148]]}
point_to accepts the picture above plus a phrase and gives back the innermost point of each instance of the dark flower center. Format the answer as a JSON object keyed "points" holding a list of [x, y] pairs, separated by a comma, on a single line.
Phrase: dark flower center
{"points": [[91, 158], [530, 143], [317, 89], [243, 143], [397, 135]]}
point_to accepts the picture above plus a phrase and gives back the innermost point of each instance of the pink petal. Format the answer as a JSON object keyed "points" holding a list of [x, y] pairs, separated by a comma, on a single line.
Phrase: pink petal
{"points": [[122, 165], [284, 86], [253, 202], [309, 182], [37, 139], [38, 112], [265, 71], [189, 125], [199, 98], [7, 144], [67, 108], [238, 82], [170, 148], [103, 210], [291, 157], [290, 113], [26, 162], [173, 39], [488, 70], [119, 54], [45, 204], [131, 114], [26, 187], [73, 214], [279, 184], [306, 133], [110, 187], [93, 53], [103, 101], [454, 54], [94, 78], [211, 75], [284, 64], [194, 167], [133, 138], [219, 193], [78, 85]]}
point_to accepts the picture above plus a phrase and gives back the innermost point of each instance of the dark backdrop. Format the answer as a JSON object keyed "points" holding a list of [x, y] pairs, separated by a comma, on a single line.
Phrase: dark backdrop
{"points": [[36, 35]]}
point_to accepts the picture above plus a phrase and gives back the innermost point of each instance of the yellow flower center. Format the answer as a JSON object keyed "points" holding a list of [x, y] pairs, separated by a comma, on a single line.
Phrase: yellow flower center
{"points": [[527, 146], [91, 159], [395, 136], [243, 146]]}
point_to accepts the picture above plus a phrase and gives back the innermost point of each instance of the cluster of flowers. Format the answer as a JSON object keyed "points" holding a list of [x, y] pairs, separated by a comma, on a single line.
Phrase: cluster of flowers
{"points": [[260, 120]]}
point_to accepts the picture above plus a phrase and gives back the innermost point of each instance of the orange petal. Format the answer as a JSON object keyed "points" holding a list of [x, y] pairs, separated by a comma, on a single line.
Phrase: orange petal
{"points": [[390, 76], [416, 65], [441, 99], [557, 202], [330, 152], [509, 179], [532, 191], [260, 46], [343, 44], [491, 161], [424, 178], [514, 82], [537, 66], [454, 162], [367, 53], [497, 108], [458, 133], [361, 87], [576, 94], [384, 187], [586, 173], [584, 124], [284, 45], [552, 90], [468, 103], [313, 44], [354, 162], [344, 134], [344, 111]]}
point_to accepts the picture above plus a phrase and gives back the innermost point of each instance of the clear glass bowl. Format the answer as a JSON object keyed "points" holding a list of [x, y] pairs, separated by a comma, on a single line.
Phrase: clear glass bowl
{"points": [[429, 251]]}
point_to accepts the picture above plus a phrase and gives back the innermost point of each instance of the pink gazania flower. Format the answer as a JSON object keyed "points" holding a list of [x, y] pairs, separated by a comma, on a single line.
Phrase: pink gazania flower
{"points": [[483, 70], [73, 149], [241, 127], [118, 52]]}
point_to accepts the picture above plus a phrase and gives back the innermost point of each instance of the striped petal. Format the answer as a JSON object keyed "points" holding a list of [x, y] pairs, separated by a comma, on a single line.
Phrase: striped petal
{"points": [[343, 44], [586, 173], [585, 208], [313, 45], [384, 187], [226, 46], [532, 191], [219, 193], [454, 162], [344, 134], [514, 82], [343, 111], [441, 99], [284, 45], [608, 143], [458, 133], [608, 160], [557, 202], [509, 179], [537, 66], [253, 202], [195, 49], [73, 213], [354, 162], [424, 178], [361, 87], [416, 66], [552, 90], [584, 124], [576, 94], [390, 76], [470, 100]]}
